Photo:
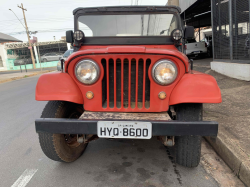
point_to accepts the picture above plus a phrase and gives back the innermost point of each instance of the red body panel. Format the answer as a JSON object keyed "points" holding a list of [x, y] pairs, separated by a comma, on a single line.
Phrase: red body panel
{"points": [[196, 87], [58, 86], [188, 87], [150, 49]]}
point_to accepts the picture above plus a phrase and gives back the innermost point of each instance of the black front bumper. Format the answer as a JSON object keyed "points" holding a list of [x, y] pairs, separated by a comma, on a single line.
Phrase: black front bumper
{"points": [[159, 128]]}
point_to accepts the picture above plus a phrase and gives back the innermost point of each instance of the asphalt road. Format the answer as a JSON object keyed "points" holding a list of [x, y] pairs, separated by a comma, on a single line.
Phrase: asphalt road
{"points": [[104, 163]]}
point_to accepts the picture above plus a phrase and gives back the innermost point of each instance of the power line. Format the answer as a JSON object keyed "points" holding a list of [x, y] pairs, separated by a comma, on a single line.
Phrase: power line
{"points": [[17, 18], [9, 20]]}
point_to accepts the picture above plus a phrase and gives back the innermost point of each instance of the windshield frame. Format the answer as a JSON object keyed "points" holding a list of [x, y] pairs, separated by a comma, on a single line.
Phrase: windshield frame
{"points": [[128, 10]]}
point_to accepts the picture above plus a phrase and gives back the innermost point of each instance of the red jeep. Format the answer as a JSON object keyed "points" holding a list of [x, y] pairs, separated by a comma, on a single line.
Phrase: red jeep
{"points": [[127, 78]]}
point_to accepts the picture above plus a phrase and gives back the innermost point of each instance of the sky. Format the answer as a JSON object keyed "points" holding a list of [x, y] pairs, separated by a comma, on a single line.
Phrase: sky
{"points": [[51, 17]]}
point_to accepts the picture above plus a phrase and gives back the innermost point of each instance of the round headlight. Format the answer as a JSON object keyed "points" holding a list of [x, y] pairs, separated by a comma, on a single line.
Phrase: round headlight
{"points": [[177, 34], [164, 72], [78, 35], [87, 71]]}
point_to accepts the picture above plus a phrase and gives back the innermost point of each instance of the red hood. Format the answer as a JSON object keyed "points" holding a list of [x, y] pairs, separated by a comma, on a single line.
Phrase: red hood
{"points": [[151, 49]]}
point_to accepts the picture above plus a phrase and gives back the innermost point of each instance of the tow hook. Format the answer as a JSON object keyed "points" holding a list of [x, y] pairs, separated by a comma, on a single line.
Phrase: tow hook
{"points": [[81, 139], [169, 141]]}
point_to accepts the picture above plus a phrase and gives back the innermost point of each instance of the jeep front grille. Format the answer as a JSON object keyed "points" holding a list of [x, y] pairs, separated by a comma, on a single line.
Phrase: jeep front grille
{"points": [[126, 83]]}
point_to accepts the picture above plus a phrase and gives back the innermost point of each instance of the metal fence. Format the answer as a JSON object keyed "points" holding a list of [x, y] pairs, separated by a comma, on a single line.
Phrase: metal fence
{"points": [[231, 34], [240, 20]]}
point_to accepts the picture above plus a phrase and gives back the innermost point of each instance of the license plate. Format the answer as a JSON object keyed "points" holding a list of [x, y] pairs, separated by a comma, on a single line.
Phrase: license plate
{"points": [[124, 129], [196, 52]]}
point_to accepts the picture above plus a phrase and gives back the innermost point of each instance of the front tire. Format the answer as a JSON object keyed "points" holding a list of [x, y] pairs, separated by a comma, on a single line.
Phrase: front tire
{"points": [[188, 148], [61, 147]]}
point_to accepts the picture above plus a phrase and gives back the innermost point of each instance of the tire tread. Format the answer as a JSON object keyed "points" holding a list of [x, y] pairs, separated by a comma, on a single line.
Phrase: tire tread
{"points": [[188, 148], [54, 109]]}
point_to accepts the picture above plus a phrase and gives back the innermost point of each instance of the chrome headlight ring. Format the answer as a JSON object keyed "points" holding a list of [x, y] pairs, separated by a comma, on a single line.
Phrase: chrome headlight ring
{"points": [[87, 71], [164, 72]]}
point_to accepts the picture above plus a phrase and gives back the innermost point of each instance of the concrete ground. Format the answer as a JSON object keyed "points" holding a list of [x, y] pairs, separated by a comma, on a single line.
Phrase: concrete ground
{"points": [[104, 163], [233, 115]]}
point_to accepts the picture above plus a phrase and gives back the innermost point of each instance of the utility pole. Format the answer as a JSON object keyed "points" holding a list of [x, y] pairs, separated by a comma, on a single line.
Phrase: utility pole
{"points": [[27, 31]]}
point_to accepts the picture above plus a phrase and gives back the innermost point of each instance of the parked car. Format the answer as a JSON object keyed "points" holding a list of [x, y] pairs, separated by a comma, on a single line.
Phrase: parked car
{"points": [[51, 57], [64, 58], [132, 87], [194, 48]]}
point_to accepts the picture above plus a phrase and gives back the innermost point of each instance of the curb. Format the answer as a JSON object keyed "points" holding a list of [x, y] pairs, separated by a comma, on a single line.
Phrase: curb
{"points": [[233, 156], [24, 76]]}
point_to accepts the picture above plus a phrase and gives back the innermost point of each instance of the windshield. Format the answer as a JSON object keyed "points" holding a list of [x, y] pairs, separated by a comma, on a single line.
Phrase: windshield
{"points": [[127, 25]]}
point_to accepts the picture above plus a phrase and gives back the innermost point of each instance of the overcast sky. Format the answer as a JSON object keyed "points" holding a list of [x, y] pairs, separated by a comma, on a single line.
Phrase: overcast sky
{"points": [[51, 17]]}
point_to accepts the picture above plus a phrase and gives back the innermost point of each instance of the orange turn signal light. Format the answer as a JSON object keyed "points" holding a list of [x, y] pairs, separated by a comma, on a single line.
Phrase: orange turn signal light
{"points": [[162, 95], [89, 95]]}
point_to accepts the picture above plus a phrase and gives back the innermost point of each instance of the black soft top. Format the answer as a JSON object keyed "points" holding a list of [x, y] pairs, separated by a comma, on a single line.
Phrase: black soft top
{"points": [[116, 9]]}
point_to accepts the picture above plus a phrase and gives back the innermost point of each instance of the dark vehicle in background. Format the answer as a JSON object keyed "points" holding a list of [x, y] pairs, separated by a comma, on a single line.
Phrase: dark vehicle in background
{"points": [[47, 57], [22, 60], [209, 44], [64, 58], [19, 61]]}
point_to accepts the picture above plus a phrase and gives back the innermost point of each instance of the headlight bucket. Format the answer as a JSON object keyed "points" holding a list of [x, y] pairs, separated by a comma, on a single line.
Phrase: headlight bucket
{"points": [[164, 72], [87, 71]]}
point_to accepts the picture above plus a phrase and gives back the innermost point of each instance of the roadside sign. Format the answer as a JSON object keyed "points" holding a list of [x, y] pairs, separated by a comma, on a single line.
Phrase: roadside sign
{"points": [[34, 40]]}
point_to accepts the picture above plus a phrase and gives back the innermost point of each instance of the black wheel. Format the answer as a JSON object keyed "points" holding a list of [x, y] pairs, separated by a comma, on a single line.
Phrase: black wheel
{"points": [[61, 147], [188, 148], [44, 60]]}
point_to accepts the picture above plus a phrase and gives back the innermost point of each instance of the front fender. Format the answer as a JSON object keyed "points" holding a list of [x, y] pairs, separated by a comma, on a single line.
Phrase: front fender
{"points": [[58, 86], [196, 87]]}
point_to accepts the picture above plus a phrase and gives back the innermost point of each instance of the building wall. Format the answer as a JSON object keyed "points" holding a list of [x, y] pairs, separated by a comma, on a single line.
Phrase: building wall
{"points": [[3, 55], [173, 2], [11, 52]]}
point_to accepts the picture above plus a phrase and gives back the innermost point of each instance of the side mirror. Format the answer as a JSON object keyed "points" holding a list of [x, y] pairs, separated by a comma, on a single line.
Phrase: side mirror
{"points": [[189, 32], [69, 36]]}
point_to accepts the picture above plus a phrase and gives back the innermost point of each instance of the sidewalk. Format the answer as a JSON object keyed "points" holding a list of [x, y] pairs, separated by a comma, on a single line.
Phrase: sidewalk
{"points": [[6, 77], [28, 70], [233, 115]]}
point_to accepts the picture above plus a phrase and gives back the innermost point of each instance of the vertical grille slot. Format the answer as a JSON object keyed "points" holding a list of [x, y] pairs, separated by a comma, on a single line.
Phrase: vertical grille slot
{"points": [[126, 83], [118, 83], [141, 91], [147, 85], [104, 84], [111, 83], [133, 83]]}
